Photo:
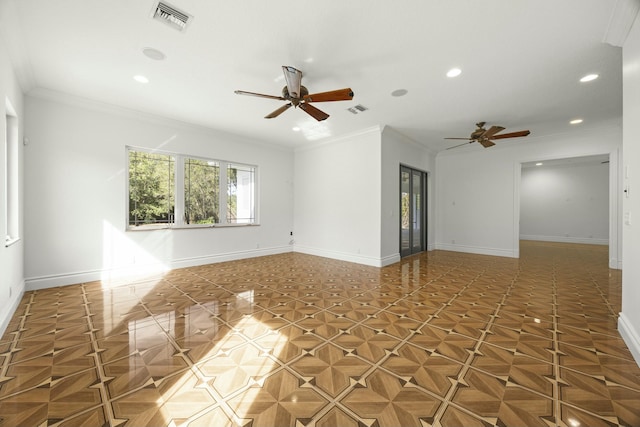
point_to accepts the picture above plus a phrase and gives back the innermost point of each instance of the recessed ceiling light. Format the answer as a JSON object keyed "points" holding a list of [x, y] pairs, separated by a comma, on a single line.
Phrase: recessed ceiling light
{"points": [[454, 72], [538, 164], [575, 121], [399, 92], [141, 79], [589, 77], [152, 53], [295, 129]]}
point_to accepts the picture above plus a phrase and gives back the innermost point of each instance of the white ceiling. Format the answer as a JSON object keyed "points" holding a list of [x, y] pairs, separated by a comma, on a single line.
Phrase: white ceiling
{"points": [[521, 62]]}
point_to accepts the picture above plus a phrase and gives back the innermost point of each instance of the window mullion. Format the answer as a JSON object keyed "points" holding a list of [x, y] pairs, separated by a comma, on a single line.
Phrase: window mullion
{"points": [[179, 192], [222, 197]]}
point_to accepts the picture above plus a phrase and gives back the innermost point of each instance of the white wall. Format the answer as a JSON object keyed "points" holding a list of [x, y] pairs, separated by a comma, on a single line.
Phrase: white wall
{"points": [[565, 203], [75, 190], [337, 198], [478, 189], [11, 257], [397, 149], [629, 321]]}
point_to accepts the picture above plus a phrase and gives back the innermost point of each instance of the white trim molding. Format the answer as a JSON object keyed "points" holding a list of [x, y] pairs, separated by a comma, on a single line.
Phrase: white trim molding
{"points": [[477, 250], [630, 336], [622, 18], [127, 274]]}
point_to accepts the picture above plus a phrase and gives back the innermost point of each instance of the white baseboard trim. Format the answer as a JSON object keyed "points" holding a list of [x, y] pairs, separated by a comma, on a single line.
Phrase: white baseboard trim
{"points": [[349, 257], [229, 256], [121, 275], [630, 336], [615, 264], [389, 259], [477, 250], [12, 306], [563, 239]]}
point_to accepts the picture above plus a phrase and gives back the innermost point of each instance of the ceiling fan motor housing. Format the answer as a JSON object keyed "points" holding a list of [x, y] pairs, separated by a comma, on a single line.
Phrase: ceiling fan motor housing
{"points": [[295, 101]]}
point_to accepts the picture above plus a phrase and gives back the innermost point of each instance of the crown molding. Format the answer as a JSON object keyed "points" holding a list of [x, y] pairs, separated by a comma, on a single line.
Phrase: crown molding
{"points": [[622, 18]]}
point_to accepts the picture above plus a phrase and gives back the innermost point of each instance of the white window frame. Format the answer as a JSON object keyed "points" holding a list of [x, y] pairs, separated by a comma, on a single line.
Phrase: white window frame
{"points": [[179, 195]]}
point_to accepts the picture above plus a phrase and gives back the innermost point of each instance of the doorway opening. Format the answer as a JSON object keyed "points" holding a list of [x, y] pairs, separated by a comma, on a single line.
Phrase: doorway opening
{"points": [[570, 200], [413, 211]]}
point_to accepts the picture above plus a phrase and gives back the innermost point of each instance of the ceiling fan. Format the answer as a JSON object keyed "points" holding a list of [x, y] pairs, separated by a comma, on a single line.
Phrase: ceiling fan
{"points": [[484, 136], [298, 95]]}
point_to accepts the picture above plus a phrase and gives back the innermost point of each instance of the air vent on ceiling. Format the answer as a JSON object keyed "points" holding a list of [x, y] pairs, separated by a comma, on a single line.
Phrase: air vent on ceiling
{"points": [[171, 16], [357, 109]]}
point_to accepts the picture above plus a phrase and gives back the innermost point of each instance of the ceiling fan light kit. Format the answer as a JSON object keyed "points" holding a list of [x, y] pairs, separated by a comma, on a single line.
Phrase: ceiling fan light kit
{"points": [[298, 95], [485, 136]]}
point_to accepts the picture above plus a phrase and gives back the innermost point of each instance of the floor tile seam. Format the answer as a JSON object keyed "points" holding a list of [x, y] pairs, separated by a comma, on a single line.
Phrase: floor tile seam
{"points": [[342, 394], [605, 298], [294, 359], [39, 385], [208, 409], [517, 352], [238, 391], [605, 418], [49, 353], [449, 403], [99, 350], [486, 331], [205, 381], [597, 352], [522, 332], [396, 348], [610, 383], [330, 406], [436, 353], [516, 384], [327, 310], [102, 385], [264, 334], [112, 398], [281, 316], [265, 353], [557, 407], [78, 414], [418, 386]]}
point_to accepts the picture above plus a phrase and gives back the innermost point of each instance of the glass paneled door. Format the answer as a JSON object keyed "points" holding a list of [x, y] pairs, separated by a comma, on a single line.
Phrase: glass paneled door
{"points": [[413, 224]]}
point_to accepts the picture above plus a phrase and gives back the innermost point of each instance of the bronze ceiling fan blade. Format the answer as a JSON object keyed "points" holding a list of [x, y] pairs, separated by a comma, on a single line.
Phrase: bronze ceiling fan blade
{"points": [[345, 94], [459, 145], [512, 134], [279, 111], [293, 77], [314, 112], [492, 131], [260, 95], [486, 143]]}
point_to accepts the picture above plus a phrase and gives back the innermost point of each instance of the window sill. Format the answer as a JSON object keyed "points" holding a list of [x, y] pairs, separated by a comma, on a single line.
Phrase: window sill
{"points": [[10, 242], [188, 227]]}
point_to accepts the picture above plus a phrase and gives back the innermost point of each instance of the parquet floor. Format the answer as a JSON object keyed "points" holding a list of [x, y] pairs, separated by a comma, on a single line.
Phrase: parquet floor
{"points": [[441, 338]]}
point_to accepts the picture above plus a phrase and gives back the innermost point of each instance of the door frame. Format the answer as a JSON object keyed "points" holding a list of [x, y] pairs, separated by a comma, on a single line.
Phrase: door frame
{"points": [[423, 211]]}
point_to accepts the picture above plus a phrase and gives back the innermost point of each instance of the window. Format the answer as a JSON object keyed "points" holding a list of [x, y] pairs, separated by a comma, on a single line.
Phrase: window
{"points": [[12, 202], [174, 190], [240, 195], [201, 191], [151, 188]]}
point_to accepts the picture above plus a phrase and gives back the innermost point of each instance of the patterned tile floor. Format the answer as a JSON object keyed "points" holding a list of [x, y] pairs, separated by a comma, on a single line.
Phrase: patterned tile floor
{"points": [[441, 338]]}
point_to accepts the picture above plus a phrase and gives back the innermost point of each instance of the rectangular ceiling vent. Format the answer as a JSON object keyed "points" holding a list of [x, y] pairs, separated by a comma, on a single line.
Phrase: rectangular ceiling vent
{"points": [[171, 16], [357, 109]]}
